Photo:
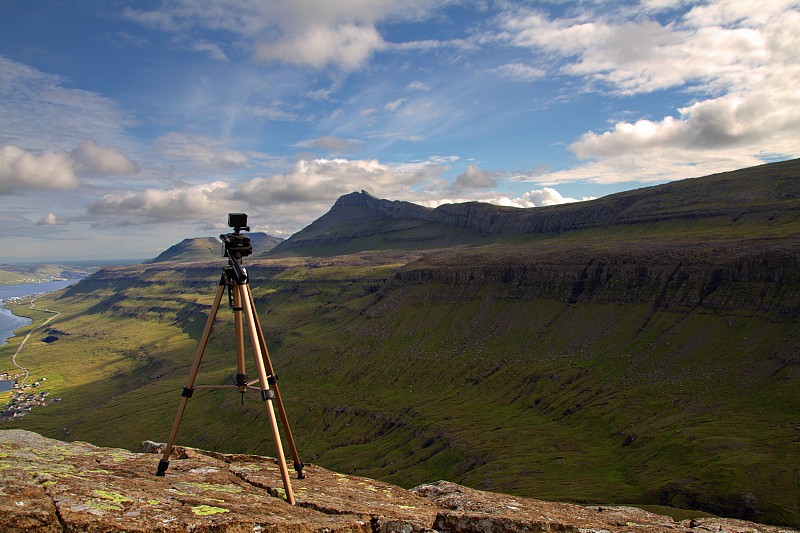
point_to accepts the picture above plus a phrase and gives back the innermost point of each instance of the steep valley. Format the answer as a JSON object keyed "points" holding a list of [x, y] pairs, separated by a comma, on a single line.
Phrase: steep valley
{"points": [[652, 361], [626, 374]]}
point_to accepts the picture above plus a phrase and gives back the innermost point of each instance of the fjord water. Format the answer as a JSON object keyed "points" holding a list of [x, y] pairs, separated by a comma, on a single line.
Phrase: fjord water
{"points": [[9, 321]]}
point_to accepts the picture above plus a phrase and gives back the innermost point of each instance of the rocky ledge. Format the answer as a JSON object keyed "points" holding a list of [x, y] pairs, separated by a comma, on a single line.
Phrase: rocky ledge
{"points": [[49, 485]]}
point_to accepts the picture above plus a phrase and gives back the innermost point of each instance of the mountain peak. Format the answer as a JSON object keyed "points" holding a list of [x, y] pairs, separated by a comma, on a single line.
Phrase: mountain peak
{"points": [[355, 198], [360, 221]]}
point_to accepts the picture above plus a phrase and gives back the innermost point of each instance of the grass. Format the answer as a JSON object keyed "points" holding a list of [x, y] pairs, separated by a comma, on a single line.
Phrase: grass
{"points": [[592, 367]]}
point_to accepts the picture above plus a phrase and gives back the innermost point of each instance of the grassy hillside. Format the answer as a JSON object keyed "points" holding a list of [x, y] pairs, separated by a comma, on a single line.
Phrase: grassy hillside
{"points": [[208, 248], [652, 362], [36, 272], [672, 383]]}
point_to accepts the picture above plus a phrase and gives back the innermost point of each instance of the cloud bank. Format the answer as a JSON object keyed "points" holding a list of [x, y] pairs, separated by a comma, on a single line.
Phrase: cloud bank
{"points": [[742, 57], [21, 170]]}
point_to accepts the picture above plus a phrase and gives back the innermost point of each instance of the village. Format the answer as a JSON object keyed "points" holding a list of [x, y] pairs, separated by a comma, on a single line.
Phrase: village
{"points": [[23, 399]]}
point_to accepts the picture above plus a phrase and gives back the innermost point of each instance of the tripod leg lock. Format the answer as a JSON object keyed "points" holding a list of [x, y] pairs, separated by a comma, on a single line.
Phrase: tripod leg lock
{"points": [[272, 380], [241, 380], [187, 392], [162, 467], [267, 394]]}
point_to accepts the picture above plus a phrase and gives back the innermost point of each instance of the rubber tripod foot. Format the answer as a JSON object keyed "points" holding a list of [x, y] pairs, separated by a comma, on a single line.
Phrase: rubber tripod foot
{"points": [[162, 467]]}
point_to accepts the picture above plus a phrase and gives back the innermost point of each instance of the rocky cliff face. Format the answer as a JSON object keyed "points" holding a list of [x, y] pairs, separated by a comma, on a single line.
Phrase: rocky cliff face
{"points": [[49, 485]]}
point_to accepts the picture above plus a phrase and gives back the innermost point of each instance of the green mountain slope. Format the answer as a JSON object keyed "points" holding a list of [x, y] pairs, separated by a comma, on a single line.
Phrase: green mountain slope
{"points": [[359, 221], [650, 361], [207, 248]]}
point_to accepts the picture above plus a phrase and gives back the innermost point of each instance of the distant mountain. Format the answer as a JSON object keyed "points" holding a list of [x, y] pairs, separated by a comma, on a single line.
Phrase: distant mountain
{"points": [[359, 221], [38, 272], [206, 248]]}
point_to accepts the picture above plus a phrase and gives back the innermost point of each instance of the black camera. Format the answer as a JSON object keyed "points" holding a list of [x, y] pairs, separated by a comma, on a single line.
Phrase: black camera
{"points": [[238, 221], [235, 245]]}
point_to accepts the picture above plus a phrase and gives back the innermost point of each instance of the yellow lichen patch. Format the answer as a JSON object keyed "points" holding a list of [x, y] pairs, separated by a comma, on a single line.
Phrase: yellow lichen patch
{"points": [[98, 471], [153, 502], [48, 483], [103, 505], [407, 507], [212, 486], [205, 510], [247, 467], [215, 500], [118, 456], [54, 468], [112, 496]]}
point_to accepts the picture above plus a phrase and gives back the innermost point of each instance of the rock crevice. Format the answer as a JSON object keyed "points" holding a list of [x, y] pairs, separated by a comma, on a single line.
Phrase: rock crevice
{"points": [[49, 485]]}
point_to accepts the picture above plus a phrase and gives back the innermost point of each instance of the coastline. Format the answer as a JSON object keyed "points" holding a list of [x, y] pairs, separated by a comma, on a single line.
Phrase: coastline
{"points": [[18, 291], [25, 396]]}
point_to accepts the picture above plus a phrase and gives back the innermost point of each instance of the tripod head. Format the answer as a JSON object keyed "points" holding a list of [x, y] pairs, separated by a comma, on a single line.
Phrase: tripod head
{"points": [[235, 245]]}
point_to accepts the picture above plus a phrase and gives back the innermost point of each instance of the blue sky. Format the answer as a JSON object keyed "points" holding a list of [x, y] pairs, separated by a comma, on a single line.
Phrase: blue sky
{"points": [[128, 126]]}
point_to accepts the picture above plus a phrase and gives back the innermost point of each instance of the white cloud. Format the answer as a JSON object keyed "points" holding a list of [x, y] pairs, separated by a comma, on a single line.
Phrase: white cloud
{"points": [[537, 198], [347, 46], [418, 86], [155, 205], [55, 169], [311, 33], [287, 200], [738, 65], [21, 170], [211, 153], [395, 104], [154, 19], [324, 180], [39, 112], [475, 178], [724, 133], [714, 46], [543, 197], [519, 72], [330, 143], [93, 159], [50, 220], [213, 50], [274, 112], [654, 165]]}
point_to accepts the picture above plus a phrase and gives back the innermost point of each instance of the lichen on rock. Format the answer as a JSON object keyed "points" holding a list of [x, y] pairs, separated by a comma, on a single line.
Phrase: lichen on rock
{"points": [[52, 486]]}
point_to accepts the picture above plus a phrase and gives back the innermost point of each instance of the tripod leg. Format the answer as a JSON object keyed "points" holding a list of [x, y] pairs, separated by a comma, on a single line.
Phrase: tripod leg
{"points": [[189, 388], [241, 376], [266, 394], [298, 464]]}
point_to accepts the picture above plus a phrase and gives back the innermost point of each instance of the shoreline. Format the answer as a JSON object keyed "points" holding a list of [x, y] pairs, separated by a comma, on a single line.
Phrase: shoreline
{"points": [[20, 291], [22, 398]]}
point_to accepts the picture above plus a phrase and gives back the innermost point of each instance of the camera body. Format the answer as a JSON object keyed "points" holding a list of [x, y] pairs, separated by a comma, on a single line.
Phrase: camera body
{"points": [[236, 245], [238, 221]]}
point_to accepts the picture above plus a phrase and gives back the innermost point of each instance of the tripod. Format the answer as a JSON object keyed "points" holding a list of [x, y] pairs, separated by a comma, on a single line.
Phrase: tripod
{"points": [[234, 278]]}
